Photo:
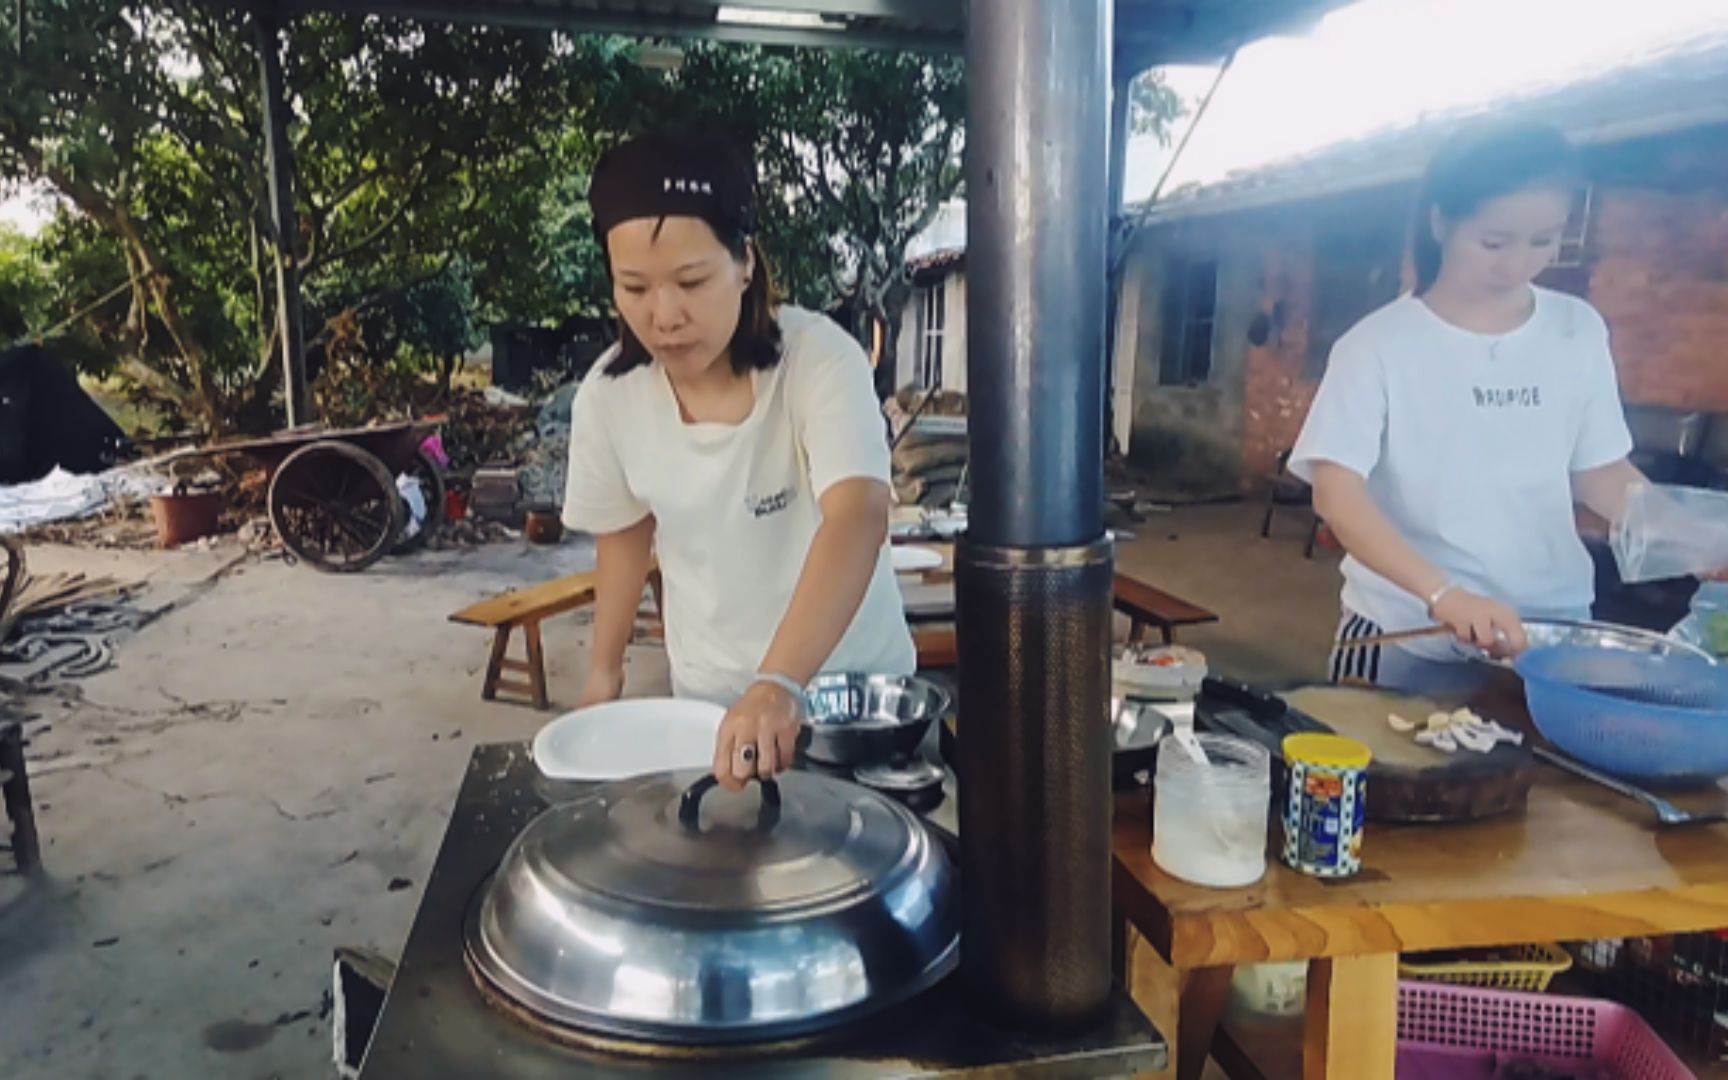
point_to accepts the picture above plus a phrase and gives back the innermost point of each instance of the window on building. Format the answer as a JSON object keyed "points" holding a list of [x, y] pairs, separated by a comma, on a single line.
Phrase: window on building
{"points": [[1189, 307], [932, 327], [1576, 236]]}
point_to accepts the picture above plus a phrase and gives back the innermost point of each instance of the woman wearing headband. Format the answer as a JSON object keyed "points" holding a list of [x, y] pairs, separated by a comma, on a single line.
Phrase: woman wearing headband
{"points": [[739, 441]]}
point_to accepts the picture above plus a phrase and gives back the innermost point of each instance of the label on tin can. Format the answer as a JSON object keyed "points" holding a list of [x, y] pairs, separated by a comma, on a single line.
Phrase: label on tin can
{"points": [[1324, 818]]}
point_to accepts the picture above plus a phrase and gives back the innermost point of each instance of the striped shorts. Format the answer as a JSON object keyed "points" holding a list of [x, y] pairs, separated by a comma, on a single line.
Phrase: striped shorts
{"points": [[1356, 663], [1397, 668]]}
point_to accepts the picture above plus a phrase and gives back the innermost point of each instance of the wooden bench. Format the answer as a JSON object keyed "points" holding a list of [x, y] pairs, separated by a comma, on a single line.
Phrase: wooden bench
{"points": [[1147, 606], [1144, 605], [526, 609]]}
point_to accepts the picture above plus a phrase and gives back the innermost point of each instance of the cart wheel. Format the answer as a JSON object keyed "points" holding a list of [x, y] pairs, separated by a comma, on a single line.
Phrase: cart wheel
{"points": [[431, 479], [335, 506]]}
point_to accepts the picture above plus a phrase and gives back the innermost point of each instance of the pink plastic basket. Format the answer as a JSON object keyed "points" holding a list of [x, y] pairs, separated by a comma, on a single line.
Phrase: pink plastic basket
{"points": [[1453, 1033]]}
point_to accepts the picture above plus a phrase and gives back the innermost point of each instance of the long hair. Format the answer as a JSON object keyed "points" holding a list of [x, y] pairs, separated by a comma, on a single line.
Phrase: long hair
{"points": [[1480, 165], [755, 345]]}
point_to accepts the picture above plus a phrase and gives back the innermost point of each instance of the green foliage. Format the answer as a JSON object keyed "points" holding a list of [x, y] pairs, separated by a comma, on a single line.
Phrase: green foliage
{"points": [[26, 287], [441, 176], [1153, 107]]}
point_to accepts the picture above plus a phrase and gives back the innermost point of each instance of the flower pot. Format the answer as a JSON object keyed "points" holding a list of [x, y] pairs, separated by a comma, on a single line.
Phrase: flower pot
{"points": [[182, 517]]}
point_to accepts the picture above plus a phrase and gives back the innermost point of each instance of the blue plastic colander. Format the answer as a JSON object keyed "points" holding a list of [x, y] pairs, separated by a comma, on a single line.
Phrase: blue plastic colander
{"points": [[1639, 716]]}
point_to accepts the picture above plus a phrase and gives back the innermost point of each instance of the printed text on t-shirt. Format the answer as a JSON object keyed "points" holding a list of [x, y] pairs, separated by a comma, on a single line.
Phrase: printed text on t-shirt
{"points": [[1509, 397], [763, 505]]}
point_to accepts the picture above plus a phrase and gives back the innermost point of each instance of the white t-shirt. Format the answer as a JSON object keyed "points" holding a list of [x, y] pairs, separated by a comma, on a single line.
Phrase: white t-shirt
{"points": [[1468, 442], [736, 506]]}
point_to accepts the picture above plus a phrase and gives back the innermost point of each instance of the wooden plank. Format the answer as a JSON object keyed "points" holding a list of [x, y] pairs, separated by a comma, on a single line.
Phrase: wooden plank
{"points": [[938, 647], [1580, 863], [1137, 599], [536, 601], [1352, 1018], [1201, 999]]}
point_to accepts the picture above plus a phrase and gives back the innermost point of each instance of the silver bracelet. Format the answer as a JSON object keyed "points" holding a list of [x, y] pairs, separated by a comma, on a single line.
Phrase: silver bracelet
{"points": [[789, 685], [1439, 594]]}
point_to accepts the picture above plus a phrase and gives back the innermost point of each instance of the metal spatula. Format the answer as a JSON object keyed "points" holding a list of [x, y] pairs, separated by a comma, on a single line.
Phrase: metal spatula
{"points": [[1666, 812]]}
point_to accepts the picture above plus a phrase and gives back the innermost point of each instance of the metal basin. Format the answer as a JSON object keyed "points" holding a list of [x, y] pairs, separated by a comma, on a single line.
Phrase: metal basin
{"points": [[866, 719], [661, 910], [1545, 633]]}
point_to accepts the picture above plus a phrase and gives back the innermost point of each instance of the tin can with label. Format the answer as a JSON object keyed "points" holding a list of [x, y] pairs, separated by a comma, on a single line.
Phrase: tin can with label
{"points": [[1326, 806]]}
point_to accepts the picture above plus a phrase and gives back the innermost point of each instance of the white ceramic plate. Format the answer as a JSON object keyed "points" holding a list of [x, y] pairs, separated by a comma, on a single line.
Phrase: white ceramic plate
{"points": [[911, 559], [628, 738]]}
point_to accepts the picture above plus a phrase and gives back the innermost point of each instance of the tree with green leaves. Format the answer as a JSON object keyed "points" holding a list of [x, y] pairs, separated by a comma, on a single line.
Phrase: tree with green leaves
{"points": [[26, 287], [412, 149]]}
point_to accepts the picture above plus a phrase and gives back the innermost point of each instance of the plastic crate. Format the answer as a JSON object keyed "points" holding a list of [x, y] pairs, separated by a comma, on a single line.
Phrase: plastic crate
{"points": [[1680, 985], [1534, 969], [1447, 1032]]}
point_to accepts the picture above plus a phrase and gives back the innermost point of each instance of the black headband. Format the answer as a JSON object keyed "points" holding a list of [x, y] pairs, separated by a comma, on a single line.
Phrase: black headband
{"points": [[658, 177]]}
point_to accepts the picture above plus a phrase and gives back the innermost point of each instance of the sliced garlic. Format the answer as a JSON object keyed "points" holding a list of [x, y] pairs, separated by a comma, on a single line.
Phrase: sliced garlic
{"points": [[1401, 725], [1474, 738], [1503, 734], [1466, 718], [1439, 740], [1439, 721]]}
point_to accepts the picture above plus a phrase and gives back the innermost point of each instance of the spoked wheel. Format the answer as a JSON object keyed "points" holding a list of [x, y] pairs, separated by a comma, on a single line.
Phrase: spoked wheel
{"points": [[425, 472], [335, 506]]}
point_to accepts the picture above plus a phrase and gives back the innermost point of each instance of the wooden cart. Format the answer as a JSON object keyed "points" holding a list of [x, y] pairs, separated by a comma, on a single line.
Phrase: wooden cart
{"points": [[333, 499]]}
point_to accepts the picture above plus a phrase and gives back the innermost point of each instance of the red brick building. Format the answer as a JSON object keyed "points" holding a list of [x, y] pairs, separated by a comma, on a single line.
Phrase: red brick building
{"points": [[1235, 293]]}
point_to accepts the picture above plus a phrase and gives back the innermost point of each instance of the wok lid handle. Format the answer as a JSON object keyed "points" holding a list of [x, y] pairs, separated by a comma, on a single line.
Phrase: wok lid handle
{"points": [[690, 803]]}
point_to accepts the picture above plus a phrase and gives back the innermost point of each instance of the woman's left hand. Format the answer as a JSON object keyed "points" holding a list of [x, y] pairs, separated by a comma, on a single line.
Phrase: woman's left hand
{"points": [[759, 736]]}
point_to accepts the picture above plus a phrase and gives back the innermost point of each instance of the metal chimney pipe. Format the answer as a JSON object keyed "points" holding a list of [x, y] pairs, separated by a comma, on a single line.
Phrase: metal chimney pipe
{"points": [[1034, 574]]}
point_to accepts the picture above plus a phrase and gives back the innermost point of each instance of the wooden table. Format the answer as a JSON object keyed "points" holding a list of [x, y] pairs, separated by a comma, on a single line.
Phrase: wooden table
{"points": [[1581, 863]]}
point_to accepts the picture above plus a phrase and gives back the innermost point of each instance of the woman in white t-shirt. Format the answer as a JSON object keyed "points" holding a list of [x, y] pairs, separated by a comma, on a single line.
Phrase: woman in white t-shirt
{"points": [[1457, 426], [740, 442]]}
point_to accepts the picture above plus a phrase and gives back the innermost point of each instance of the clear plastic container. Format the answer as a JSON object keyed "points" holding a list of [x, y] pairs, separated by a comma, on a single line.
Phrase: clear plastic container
{"points": [[1209, 821], [1671, 532], [1707, 625]]}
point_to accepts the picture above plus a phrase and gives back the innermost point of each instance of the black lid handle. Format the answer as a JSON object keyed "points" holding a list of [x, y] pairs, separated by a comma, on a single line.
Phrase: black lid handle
{"points": [[690, 803]]}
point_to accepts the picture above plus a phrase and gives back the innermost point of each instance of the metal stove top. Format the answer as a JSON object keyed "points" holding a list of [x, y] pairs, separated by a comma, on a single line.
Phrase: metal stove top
{"points": [[436, 1024]]}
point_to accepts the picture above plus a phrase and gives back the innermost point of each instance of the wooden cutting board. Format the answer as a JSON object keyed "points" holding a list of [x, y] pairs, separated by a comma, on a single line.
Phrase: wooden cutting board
{"points": [[1407, 781]]}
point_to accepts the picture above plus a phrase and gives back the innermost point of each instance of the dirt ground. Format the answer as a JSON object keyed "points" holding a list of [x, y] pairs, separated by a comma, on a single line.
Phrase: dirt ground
{"points": [[267, 772]]}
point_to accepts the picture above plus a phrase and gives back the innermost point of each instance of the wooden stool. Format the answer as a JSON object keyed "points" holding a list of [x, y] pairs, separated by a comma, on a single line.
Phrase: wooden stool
{"points": [[526, 609]]}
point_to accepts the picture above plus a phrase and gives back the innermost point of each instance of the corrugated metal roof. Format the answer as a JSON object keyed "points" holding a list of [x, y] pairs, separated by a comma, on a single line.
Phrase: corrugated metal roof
{"points": [[1679, 86], [1148, 32]]}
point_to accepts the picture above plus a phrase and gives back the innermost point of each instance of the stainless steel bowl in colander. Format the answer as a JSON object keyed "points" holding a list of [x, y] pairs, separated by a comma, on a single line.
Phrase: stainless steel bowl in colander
{"points": [[1545, 633]]}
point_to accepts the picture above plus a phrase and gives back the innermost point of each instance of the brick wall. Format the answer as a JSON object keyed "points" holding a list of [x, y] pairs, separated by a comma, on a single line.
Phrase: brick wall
{"points": [[1657, 270], [1277, 390], [1659, 248]]}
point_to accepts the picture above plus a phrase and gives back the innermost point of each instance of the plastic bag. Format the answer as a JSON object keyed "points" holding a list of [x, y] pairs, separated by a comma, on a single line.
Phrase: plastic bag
{"points": [[1707, 625], [1671, 532]]}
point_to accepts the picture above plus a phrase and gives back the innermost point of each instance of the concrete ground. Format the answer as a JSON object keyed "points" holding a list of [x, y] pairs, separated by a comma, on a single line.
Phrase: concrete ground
{"points": [[267, 772]]}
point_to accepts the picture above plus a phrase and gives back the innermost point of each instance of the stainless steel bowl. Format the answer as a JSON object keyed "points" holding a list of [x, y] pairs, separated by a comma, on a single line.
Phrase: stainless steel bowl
{"points": [[1601, 635], [864, 719], [657, 909]]}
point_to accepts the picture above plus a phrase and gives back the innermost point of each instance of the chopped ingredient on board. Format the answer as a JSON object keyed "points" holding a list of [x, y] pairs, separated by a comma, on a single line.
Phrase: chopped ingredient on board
{"points": [[1459, 728]]}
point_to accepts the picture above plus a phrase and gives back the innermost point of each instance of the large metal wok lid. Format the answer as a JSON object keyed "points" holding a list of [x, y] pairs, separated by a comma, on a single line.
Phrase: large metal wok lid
{"points": [[664, 910]]}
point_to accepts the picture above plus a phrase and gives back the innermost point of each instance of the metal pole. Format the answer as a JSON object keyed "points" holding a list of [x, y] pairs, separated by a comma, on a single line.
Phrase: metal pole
{"points": [[1121, 108], [1034, 572], [1037, 188], [1121, 102], [279, 168]]}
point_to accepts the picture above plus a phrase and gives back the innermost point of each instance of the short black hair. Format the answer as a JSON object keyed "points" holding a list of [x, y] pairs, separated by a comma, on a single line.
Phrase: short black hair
{"points": [[1481, 164]]}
